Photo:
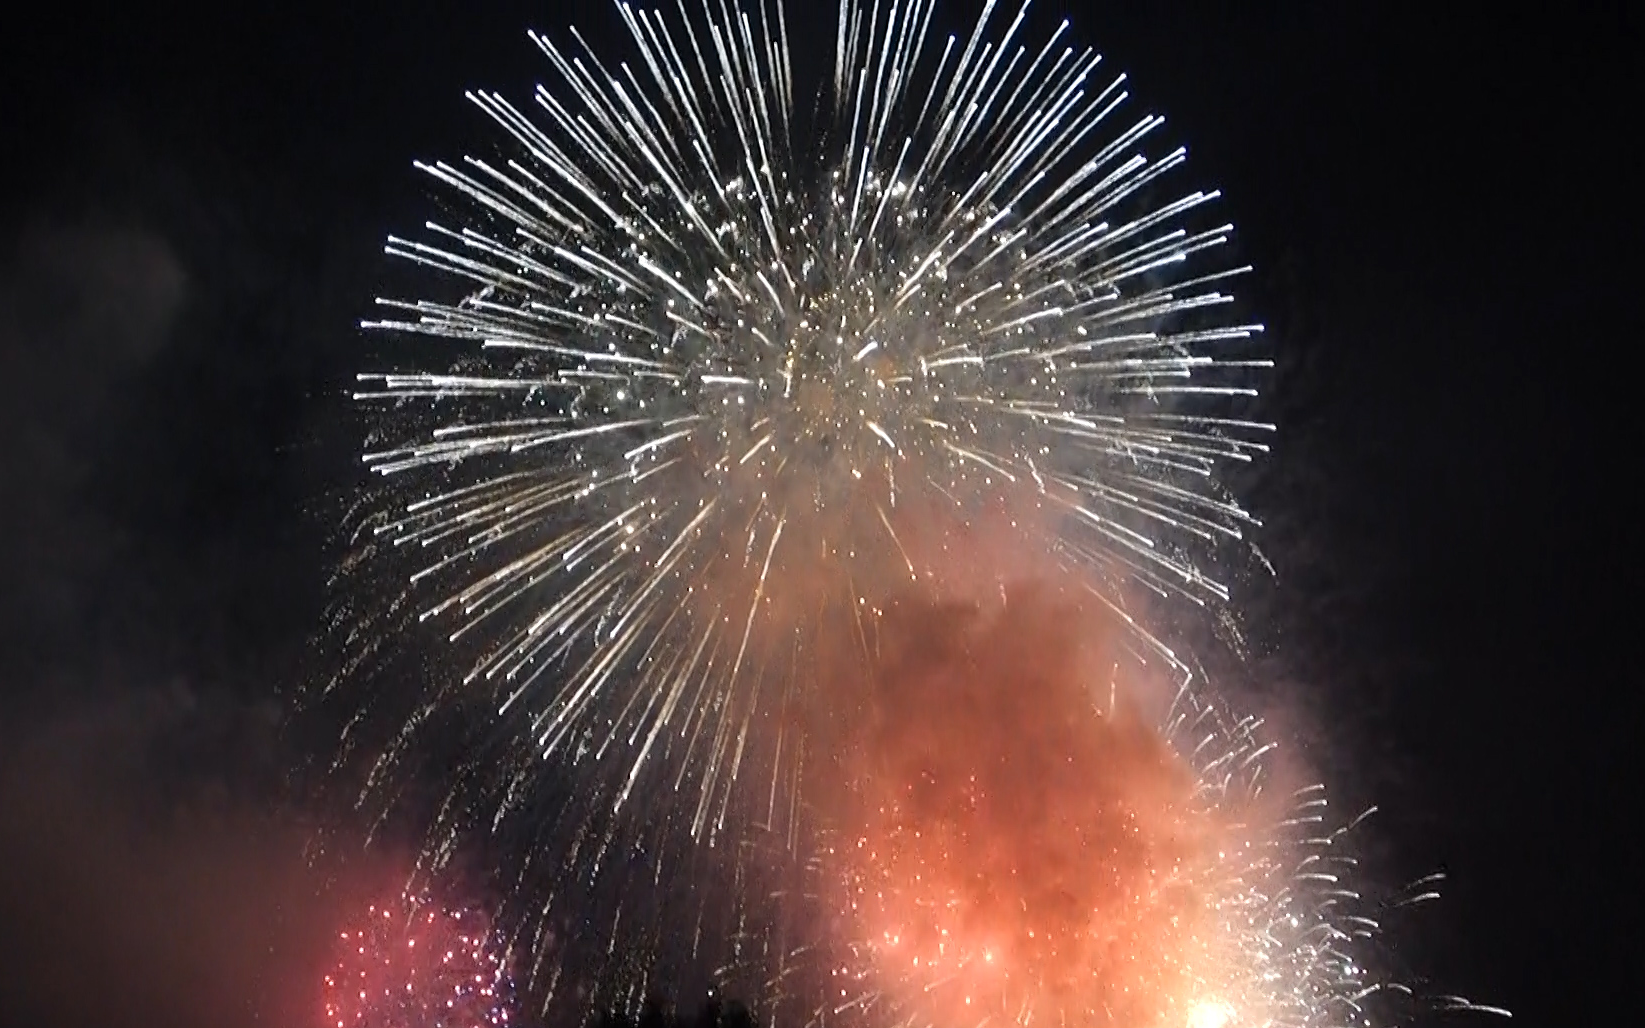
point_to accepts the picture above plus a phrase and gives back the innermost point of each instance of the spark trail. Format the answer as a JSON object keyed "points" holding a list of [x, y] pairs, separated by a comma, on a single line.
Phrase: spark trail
{"points": [[720, 376]]}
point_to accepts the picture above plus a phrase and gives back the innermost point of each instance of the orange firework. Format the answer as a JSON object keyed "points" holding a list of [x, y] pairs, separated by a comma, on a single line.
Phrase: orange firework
{"points": [[1015, 848]]}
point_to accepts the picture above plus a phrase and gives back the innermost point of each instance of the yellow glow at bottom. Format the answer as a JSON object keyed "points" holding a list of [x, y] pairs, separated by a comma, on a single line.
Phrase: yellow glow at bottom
{"points": [[1209, 1015]]}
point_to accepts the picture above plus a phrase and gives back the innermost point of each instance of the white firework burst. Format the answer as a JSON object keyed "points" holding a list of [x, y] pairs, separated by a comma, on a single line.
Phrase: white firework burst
{"points": [[715, 376]]}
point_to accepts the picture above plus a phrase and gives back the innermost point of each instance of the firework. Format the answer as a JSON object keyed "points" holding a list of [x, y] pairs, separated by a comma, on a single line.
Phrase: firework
{"points": [[716, 388], [717, 384], [1009, 844], [418, 964]]}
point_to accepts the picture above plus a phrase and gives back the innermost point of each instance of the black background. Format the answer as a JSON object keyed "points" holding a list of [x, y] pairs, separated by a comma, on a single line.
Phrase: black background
{"points": [[1439, 206]]}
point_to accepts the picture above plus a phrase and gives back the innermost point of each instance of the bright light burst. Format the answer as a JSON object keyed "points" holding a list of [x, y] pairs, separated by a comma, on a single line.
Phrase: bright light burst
{"points": [[719, 382], [416, 964], [994, 860]]}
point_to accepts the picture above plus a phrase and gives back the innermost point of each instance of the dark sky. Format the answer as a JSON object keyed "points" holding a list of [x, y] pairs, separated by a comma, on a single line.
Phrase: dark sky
{"points": [[193, 210]]}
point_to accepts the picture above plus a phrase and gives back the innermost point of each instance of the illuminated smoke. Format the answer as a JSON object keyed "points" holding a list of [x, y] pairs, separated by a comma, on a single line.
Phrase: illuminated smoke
{"points": [[1017, 849]]}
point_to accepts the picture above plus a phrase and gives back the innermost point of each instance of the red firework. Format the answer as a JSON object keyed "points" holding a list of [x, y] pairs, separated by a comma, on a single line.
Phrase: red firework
{"points": [[418, 965]]}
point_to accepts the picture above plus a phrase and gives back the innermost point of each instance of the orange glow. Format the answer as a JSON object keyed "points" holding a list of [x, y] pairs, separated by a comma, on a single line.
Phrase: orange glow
{"points": [[1014, 846]]}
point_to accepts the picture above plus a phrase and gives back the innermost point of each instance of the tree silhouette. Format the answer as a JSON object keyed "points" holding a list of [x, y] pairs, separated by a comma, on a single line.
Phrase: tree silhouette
{"points": [[656, 1014]]}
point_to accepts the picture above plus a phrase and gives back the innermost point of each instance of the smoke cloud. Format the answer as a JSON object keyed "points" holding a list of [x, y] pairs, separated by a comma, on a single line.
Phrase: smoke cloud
{"points": [[1016, 830]]}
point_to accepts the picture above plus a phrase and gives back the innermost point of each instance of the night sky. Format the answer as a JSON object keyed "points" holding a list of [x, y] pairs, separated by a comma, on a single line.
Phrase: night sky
{"points": [[191, 227]]}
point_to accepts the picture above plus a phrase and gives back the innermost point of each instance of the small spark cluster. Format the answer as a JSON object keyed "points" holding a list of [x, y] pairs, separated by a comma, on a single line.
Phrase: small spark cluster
{"points": [[418, 965]]}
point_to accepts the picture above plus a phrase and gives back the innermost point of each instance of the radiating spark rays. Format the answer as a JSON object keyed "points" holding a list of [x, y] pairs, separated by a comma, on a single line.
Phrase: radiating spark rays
{"points": [[720, 364]]}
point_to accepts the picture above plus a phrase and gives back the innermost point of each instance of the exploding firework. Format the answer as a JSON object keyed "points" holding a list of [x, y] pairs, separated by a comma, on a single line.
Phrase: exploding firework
{"points": [[416, 964], [1072, 859], [1007, 843], [719, 390], [717, 386]]}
